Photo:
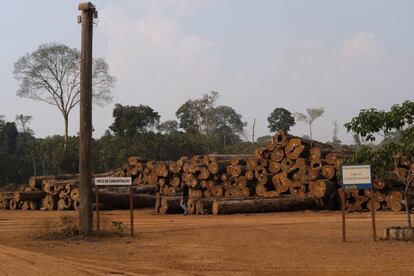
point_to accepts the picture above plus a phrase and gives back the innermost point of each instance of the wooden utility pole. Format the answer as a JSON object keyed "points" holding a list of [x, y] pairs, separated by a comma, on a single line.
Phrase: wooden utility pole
{"points": [[85, 137]]}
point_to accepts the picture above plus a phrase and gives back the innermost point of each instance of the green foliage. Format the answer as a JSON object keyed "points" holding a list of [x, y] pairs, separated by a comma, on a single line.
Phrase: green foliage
{"points": [[280, 118], [168, 127], [381, 160], [135, 131], [370, 122], [8, 145], [130, 120], [202, 116], [22, 155], [240, 148], [196, 115], [51, 74], [118, 227], [395, 125]]}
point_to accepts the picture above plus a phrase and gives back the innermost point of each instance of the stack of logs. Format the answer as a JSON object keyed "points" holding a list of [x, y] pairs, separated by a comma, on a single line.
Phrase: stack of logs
{"points": [[385, 197], [45, 193], [388, 193], [55, 192], [300, 172], [290, 173]]}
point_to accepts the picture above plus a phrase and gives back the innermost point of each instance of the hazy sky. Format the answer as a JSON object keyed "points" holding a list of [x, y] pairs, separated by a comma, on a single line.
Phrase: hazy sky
{"points": [[341, 55]]}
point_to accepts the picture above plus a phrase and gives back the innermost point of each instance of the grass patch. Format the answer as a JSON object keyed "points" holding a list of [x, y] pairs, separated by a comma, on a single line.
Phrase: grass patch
{"points": [[67, 228]]}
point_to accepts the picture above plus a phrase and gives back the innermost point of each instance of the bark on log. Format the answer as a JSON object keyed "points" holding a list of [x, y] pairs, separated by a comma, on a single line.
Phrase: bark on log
{"points": [[171, 205], [258, 205], [35, 182], [121, 200], [145, 189], [27, 196]]}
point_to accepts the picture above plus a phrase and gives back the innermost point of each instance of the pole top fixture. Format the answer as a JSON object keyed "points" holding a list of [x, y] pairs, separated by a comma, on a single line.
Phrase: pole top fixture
{"points": [[86, 6]]}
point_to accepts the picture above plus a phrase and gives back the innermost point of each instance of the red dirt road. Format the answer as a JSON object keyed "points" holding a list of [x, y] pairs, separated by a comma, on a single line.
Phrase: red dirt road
{"points": [[301, 243]]}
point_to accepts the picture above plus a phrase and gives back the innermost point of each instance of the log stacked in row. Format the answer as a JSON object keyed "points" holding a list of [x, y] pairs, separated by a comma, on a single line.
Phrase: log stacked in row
{"points": [[49, 193], [288, 167], [388, 193]]}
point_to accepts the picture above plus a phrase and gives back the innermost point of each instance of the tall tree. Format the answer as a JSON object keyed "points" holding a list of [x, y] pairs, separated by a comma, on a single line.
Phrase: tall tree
{"points": [[51, 74], [226, 125], [310, 117], [23, 121], [280, 118], [197, 115], [221, 124], [130, 120], [225, 116]]}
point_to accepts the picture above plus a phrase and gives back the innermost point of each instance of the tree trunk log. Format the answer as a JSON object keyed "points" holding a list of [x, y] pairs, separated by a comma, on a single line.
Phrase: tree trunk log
{"points": [[258, 205], [26, 196], [121, 200], [171, 205]]}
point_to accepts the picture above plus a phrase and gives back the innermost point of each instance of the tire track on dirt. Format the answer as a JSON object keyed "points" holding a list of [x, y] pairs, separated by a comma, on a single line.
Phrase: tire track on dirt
{"points": [[21, 262]]}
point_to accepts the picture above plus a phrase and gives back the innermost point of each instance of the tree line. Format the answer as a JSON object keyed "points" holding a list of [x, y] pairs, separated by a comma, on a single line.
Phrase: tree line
{"points": [[201, 127]]}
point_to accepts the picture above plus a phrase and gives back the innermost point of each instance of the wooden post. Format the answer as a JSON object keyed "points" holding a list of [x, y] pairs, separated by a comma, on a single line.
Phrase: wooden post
{"points": [[374, 230], [131, 207], [85, 135], [407, 200], [342, 192], [98, 221]]}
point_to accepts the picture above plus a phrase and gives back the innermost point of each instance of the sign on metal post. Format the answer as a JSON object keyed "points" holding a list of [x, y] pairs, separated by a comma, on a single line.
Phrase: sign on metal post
{"points": [[357, 177], [114, 181]]}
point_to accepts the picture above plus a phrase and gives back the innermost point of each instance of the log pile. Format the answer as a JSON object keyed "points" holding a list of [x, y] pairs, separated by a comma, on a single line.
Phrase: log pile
{"points": [[388, 193], [288, 174], [291, 168], [360, 200], [45, 193], [61, 193]]}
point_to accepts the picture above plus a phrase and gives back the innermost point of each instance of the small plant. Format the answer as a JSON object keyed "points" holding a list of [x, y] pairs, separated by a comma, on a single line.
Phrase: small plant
{"points": [[119, 227], [68, 226]]}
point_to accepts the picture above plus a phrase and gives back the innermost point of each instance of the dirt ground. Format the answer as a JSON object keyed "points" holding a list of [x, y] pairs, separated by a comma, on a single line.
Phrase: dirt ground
{"points": [[300, 243]]}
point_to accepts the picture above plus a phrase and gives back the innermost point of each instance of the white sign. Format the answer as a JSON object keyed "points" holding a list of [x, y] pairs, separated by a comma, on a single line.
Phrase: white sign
{"points": [[356, 177], [113, 181]]}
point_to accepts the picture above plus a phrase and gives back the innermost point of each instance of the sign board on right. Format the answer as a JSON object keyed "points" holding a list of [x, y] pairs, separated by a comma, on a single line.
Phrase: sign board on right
{"points": [[356, 177]]}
